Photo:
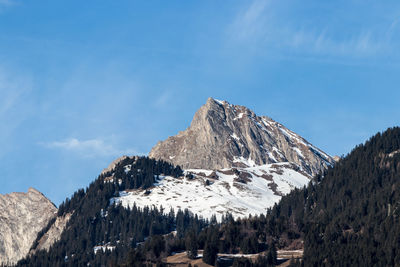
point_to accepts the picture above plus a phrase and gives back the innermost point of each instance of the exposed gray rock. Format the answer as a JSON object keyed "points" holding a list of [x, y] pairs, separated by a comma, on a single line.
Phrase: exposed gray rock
{"points": [[222, 135], [22, 216], [336, 158], [53, 234]]}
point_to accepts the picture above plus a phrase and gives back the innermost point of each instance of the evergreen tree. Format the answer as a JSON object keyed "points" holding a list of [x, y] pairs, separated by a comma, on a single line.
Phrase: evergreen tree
{"points": [[242, 262], [272, 256], [211, 246], [191, 245]]}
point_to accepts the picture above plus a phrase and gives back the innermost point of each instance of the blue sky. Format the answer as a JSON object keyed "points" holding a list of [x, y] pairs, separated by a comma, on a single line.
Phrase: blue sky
{"points": [[83, 82]]}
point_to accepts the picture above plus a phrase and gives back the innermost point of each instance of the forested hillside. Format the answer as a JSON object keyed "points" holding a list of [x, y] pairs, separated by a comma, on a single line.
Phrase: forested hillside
{"points": [[102, 233], [354, 212], [347, 216], [350, 215]]}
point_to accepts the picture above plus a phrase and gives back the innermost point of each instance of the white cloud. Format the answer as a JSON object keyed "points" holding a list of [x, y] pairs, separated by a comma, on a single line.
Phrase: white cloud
{"points": [[89, 148]]}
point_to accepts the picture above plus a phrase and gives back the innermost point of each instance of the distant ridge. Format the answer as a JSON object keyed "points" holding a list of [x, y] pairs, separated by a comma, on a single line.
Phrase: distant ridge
{"points": [[22, 216]]}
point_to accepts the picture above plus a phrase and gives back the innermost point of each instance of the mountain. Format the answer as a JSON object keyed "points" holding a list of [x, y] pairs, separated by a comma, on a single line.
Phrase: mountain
{"points": [[22, 216], [222, 135], [251, 162], [234, 160], [347, 215]]}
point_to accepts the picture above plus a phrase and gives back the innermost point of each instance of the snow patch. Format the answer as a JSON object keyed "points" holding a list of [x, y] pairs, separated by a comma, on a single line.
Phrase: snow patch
{"points": [[103, 248], [278, 152], [296, 138], [221, 102], [391, 155], [248, 162], [234, 136], [298, 152], [127, 168], [239, 116], [225, 194]]}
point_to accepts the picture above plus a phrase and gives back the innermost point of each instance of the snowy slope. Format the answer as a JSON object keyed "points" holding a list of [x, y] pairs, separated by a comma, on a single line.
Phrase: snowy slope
{"points": [[240, 191]]}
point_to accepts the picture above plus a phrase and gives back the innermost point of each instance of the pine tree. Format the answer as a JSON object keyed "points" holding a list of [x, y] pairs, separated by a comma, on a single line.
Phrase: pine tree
{"points": [[191, 245], [272, 255], [211, 246]]}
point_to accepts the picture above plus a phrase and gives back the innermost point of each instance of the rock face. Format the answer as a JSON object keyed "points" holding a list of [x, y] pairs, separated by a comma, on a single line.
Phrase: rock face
{"points": [[22, 216], [222, 135], [53, 234]]}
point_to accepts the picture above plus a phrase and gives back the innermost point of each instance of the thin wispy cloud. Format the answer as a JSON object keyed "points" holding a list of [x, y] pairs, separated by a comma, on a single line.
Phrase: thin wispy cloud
{"points": [[268, 27], [163, 99], [361, 44], [89, 148], [8, 2], [13, 91], [15, 105], [251, 22], [394, 26]]}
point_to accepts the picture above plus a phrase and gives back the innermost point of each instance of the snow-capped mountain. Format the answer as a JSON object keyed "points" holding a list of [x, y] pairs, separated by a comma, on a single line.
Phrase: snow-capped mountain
{"points": [[222, 135], [234, 161], [22, 216]]}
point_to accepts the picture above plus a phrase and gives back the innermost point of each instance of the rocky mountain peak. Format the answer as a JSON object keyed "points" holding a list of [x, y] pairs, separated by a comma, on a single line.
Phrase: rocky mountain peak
{"points": [[222, 135], [23, 215]]}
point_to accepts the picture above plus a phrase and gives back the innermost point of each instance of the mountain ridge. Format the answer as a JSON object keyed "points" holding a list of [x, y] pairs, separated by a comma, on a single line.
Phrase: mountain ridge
{"points": [[222, 135]]}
